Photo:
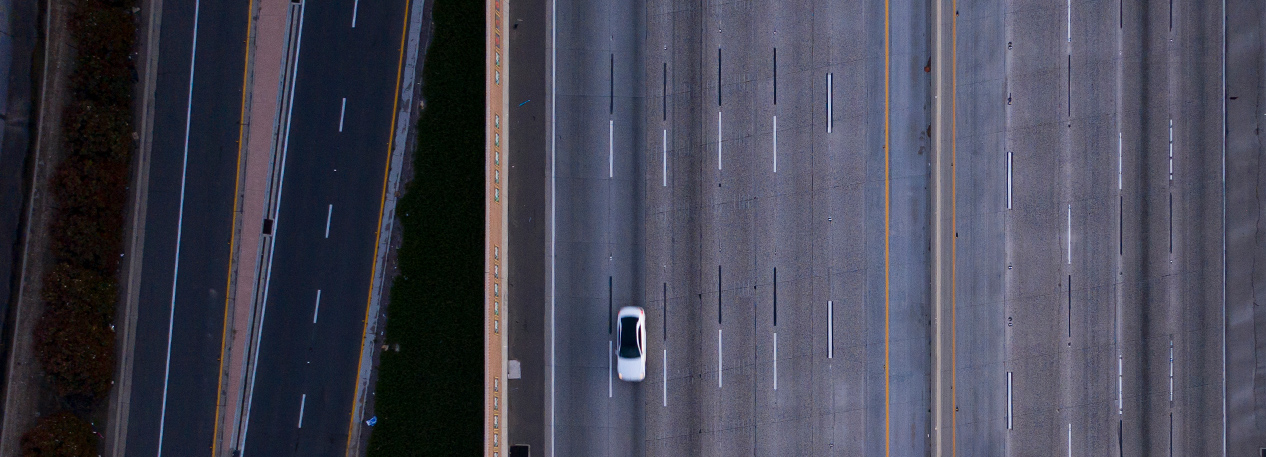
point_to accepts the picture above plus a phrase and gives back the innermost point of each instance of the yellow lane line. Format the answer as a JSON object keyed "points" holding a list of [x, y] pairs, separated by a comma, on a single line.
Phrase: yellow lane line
{"points": [[395, 103], [237, 188]]}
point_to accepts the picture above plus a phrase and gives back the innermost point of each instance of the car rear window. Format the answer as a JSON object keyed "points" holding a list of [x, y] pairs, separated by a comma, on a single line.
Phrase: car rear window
{"points": [[628, 338]]}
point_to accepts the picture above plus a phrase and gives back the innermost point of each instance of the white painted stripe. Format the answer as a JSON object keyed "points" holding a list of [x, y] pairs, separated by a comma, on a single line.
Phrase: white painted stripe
{"points": [[830, 329], [775, 360], [1070, 234], [316, 308], [355, 7], [302, 401], [329, 213], [665, 377], [830, 114], [1009, 410], [1070, 21], [1171, 149], [665, 160], [1009, 168], [719, 352], [1120, 385], [775, 143], [718, 139], [611, 149], [1070, 439], [1120, 161], [1171, 370], [180, 220], [553, 212], [610, 371], [342, 111]]}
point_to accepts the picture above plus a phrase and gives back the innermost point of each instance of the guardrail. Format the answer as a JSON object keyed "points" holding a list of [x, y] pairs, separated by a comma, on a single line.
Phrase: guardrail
{"points": [[495, 236]]}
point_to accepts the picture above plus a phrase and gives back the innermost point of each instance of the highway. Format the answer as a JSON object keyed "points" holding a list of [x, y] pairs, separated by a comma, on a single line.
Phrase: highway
{"points": [[759, 178], [670, 190], [1081, 256], [335, 160], [193, 166]]}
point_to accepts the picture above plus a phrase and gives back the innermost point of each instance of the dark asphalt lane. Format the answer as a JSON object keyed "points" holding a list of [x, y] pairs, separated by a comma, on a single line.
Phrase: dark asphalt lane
{"points": [[302, 365], [197, 323]]}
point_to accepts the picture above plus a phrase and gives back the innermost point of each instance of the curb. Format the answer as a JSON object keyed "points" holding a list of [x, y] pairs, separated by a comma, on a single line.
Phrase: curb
{"points": [[121, 394], [496, 218]]}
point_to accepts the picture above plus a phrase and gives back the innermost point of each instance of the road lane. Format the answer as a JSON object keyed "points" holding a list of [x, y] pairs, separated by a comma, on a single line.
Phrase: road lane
{"points": [[212, 109], [326, 167]]}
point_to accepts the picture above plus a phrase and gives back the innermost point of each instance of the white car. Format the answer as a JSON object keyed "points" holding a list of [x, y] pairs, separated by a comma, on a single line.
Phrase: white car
{"points": [[631, 343]]}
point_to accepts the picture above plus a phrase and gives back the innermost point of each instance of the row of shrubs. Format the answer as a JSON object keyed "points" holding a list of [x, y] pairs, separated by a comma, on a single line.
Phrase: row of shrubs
{"points": [[74, 338]]}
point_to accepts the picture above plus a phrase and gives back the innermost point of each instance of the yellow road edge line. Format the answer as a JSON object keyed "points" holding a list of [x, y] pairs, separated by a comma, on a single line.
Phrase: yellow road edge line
{"points": [[237, 188], [395, 104], [954, 227], [887, 187]]}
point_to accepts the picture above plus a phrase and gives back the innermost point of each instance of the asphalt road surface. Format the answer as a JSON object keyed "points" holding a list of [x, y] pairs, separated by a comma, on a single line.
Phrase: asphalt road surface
{"points": [[666, 196], [326, 228], [193, 167], [785, 270]]}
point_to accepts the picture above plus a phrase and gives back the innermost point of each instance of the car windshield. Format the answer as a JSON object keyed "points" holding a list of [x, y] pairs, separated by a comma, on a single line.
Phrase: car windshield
{"points": [[628, 338]]}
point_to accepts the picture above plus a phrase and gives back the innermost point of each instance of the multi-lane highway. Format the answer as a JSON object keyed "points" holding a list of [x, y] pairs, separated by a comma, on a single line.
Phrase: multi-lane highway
{"points": [[326, 228], [325, 232], [787, 296], [759, 176]]}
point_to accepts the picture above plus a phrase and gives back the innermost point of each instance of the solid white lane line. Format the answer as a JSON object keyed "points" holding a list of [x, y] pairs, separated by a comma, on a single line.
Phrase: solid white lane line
{"points": [[1070, 21], [719, 352], [718, 139], [341, 112], [180, 220], [302, 401], [830, 329], [829, 113], [610, 371], [775, 143], [329, 213], [1070, 234], [1009, 165], [1120, 160], [1120, 392], [775, 360], [355, 7], [665, 377], [1070, 439], [611, 149], [317, 308], [1009, 411], [665, 160]]}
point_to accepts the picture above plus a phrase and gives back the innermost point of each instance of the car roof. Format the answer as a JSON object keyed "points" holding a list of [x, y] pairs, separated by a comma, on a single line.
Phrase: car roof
{"points": [[633, 311]]}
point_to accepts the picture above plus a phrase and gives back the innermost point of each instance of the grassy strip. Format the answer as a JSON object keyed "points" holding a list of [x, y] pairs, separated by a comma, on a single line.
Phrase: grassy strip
{"points": [[428, 397]]}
